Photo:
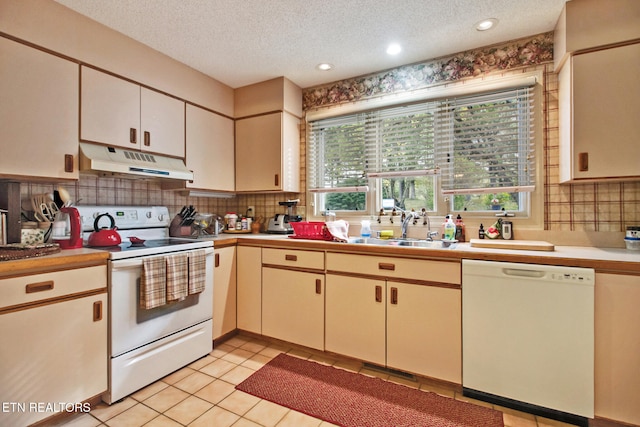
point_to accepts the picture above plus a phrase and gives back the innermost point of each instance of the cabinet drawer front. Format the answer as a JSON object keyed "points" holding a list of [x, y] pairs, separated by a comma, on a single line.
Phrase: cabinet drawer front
{"points": [[402, 268], [293, 258], [35, 287]]}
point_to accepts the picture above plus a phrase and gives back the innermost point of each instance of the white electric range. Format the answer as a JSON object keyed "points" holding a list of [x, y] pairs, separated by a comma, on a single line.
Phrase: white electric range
{"points": [[148, 344]]}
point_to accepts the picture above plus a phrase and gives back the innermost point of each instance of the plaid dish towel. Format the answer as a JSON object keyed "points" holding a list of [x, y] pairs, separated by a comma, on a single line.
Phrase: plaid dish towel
{"points": [[177, 277], [153, 283], [197, 271]]}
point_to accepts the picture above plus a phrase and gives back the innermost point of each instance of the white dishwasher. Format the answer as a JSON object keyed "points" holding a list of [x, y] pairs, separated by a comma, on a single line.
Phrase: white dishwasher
{"points": [[528, 337]]}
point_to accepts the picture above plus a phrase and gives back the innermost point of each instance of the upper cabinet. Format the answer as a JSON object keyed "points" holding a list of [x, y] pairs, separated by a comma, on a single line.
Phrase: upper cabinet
{"points": [[38, 113], [210, 150], [589, 24], [268, 136], [599, 127], [117, 112], [599, 93]]}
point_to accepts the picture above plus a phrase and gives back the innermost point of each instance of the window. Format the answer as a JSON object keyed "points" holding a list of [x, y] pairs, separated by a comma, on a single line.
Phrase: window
{"points": [[472, 153]]}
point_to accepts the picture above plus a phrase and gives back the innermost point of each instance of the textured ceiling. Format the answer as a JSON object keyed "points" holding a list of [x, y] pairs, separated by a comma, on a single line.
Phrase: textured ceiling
{"points": [[239, 42]]}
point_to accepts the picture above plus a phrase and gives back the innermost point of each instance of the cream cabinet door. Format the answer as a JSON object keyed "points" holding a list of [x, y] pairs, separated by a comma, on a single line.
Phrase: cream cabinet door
{"points": [[293, 306], [268, 153], [109, 110], [210, 150], [38, 113], [424, 330], [617, 346], [162, 123], [600, 98], [52, 353], [355, 317], [249, 292], [224, 291]]}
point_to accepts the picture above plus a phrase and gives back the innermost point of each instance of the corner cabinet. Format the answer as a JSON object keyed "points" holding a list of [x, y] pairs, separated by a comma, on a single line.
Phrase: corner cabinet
{"points": [[249, 288], [210, 150], [117, 112], [268, 153], [38, 113], [617, 346], [53, 327], [599, 97], [224, 291]]}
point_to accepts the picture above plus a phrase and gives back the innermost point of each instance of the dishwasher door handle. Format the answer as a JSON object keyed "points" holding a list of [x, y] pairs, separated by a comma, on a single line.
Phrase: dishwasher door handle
{"points": [[523, 272]]}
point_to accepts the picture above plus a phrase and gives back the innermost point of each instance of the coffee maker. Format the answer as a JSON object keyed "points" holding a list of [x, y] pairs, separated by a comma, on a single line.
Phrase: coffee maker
{"points": [[280, 223]]}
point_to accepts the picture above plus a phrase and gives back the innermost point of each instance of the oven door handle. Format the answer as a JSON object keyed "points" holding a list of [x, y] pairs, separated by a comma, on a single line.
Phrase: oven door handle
{"points": [[123, 264]]}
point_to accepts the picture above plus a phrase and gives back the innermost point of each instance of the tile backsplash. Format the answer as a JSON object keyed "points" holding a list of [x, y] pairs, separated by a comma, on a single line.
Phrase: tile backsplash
{"points": [[90, 190]]}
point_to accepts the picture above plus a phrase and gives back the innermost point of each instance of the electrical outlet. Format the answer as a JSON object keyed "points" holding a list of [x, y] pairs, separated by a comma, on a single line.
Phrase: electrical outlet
{"points": [[251, 211]]}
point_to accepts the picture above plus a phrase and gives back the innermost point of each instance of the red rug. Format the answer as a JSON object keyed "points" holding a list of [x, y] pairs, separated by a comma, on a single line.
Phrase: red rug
{"points": [[350, 399]]}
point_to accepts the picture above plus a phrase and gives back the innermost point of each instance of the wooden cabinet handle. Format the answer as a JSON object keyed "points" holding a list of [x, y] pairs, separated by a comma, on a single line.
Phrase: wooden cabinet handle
{"points": [[97, 311], [583, 162], [147, 138], [318, 286], [378, 293], [386, 266], [39, 287], [217, 260], [276, 180], [394, 295], [68, 163], [291, 257], [133, 135]]}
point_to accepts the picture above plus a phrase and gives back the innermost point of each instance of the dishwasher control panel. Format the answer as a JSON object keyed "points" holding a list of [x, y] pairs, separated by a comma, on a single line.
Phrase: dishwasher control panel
{"points": [[587, 277]]}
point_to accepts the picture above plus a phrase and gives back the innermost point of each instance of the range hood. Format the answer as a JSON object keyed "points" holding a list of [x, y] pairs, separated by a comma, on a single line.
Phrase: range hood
{"points": [[114, 161]]}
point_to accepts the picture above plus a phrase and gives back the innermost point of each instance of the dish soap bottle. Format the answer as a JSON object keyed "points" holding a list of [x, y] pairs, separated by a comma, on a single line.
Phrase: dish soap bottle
{"points": [[365, 230], [449, 229], [460, 230]]}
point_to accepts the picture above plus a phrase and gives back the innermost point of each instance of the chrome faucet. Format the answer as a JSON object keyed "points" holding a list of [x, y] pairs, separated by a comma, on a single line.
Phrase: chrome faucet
{"points": [[427, 222], [409, 216]]}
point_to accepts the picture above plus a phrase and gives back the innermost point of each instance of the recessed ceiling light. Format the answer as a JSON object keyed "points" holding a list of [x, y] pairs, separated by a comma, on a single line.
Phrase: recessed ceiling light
{"points": [[324, 66], [486, 24], [394, 49]]}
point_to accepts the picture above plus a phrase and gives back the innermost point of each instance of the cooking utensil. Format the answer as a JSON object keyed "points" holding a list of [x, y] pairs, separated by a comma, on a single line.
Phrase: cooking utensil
{"points": [[65, 198], [104, 236]]}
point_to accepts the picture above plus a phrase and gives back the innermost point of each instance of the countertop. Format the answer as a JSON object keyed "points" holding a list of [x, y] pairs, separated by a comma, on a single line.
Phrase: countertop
{"points": [[602, 259], [63, 260]]}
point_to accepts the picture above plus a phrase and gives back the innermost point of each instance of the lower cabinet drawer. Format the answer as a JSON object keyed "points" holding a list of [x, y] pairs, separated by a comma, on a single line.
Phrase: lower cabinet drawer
{"points": [[36, 287], [293, 258], [400, 268]]}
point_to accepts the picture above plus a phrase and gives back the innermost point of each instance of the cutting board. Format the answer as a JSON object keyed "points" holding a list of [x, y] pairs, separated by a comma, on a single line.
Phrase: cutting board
{"points": [[527, 245]]}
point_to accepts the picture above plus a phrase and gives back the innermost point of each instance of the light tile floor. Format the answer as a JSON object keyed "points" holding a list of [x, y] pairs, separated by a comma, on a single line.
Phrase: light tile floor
{"points": [[203, 394]]}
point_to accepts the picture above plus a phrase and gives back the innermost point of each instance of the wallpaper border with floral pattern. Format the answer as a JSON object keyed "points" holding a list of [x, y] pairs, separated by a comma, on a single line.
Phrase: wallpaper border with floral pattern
{"points": [[533, 50]]}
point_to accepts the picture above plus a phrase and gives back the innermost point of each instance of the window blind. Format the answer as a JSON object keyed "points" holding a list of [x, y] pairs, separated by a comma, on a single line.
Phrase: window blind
{"points": [[337, 153], [485, 142], [400, 140]]}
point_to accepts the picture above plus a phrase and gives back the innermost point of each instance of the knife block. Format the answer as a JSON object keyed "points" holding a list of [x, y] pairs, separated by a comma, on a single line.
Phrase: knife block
{"points": [[177, 230]]}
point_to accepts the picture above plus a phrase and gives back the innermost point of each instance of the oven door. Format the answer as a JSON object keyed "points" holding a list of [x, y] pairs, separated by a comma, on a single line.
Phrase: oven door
{"points": [[131, 326]]}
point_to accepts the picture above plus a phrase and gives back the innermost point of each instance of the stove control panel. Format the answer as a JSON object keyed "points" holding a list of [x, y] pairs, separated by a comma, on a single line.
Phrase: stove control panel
{"points": [[125, 217]]}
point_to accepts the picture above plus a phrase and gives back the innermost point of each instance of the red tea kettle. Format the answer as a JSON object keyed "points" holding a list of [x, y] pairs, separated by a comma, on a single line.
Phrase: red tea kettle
{"points": [[104, 236]]}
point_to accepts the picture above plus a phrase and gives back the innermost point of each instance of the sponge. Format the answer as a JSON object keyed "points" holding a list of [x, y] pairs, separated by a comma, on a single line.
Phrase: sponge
{"points": [[386, 234]]}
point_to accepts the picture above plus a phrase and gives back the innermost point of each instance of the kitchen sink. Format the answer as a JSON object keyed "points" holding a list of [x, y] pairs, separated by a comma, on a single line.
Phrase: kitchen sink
{"points": [[417, 243]]}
